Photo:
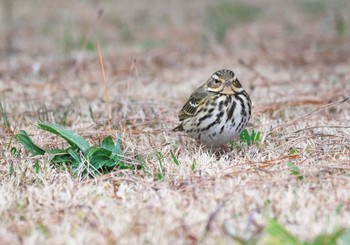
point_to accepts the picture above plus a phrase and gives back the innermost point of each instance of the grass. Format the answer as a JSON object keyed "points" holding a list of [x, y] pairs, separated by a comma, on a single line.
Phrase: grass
{"points": [[76, 179]]}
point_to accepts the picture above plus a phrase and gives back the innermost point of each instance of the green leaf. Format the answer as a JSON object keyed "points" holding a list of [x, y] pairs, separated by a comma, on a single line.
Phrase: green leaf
{"points": [[13, 150], [295, 170], [58, 151], [37, 167], [160, 173], [98, 156], [59, 159], [174, 158], [11, 167], [329, 239], [63, 155], [294, 151], [257, 137], [108, 144], [111, 163], [244, 136], [74, 155], [250, 138], [278, 234], [24, 139], [72, 137], [193, 166]]}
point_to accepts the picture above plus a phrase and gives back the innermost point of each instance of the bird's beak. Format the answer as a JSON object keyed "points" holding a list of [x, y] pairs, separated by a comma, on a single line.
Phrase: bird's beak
{"points": [[228, 88]]}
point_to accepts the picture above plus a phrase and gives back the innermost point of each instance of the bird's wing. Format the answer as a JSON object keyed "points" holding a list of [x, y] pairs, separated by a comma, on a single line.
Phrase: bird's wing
{"points": [[191, 106]]}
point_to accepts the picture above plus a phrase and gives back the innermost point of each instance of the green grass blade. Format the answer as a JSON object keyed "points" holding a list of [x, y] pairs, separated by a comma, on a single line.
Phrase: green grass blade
{"points": [[244, 136], [193, 165], [37, 167], [72, 137], [11, 167], [329, 239], [279, 234], [25, 140], [160, 173], [174, 158]]}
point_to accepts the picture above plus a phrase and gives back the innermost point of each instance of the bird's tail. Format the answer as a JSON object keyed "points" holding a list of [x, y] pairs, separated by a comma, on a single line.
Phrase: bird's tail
{"points": [[178, 128]]}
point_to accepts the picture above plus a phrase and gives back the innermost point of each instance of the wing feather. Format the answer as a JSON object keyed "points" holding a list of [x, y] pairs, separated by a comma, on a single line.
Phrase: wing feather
{"points": [[192, 104]]}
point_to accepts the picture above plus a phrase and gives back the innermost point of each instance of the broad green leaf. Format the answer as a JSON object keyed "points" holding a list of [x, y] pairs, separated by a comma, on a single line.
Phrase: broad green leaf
{"points": [[108, 144], [98, 156], [97, 151], [74, 155], [57, 151], [55, 155], [111, 163], [99, 162], [25, 140], [72, 137], [66, 158]]}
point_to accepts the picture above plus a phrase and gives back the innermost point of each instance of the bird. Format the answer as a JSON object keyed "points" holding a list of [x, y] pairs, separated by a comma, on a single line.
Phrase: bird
{"points": [[217, 111]]}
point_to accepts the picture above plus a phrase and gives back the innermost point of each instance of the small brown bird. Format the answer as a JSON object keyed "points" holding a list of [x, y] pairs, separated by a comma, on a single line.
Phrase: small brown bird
{"points": [[217, 111]]}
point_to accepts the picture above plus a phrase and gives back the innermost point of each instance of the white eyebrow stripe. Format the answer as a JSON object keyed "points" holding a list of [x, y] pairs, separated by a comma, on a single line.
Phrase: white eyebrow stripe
{"points": [[214, 76]]}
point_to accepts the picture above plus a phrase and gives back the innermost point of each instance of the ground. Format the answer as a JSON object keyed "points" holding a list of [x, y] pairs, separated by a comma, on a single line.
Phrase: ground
{"points": [[292, 57]]}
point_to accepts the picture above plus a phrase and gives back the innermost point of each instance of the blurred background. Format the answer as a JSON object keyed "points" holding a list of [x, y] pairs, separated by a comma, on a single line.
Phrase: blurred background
{"points": [[49, 56], [39, 28]]}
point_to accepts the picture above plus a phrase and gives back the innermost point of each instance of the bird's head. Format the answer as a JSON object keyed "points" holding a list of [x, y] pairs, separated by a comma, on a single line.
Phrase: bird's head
{"points": [[224, 82]]}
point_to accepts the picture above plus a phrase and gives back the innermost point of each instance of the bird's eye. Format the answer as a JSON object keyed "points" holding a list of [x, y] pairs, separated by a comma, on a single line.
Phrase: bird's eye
{"points": [[217, 81]]}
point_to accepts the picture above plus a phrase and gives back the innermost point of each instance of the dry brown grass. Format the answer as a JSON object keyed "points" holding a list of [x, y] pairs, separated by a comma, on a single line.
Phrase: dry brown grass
{"points": [[293, 64]]}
